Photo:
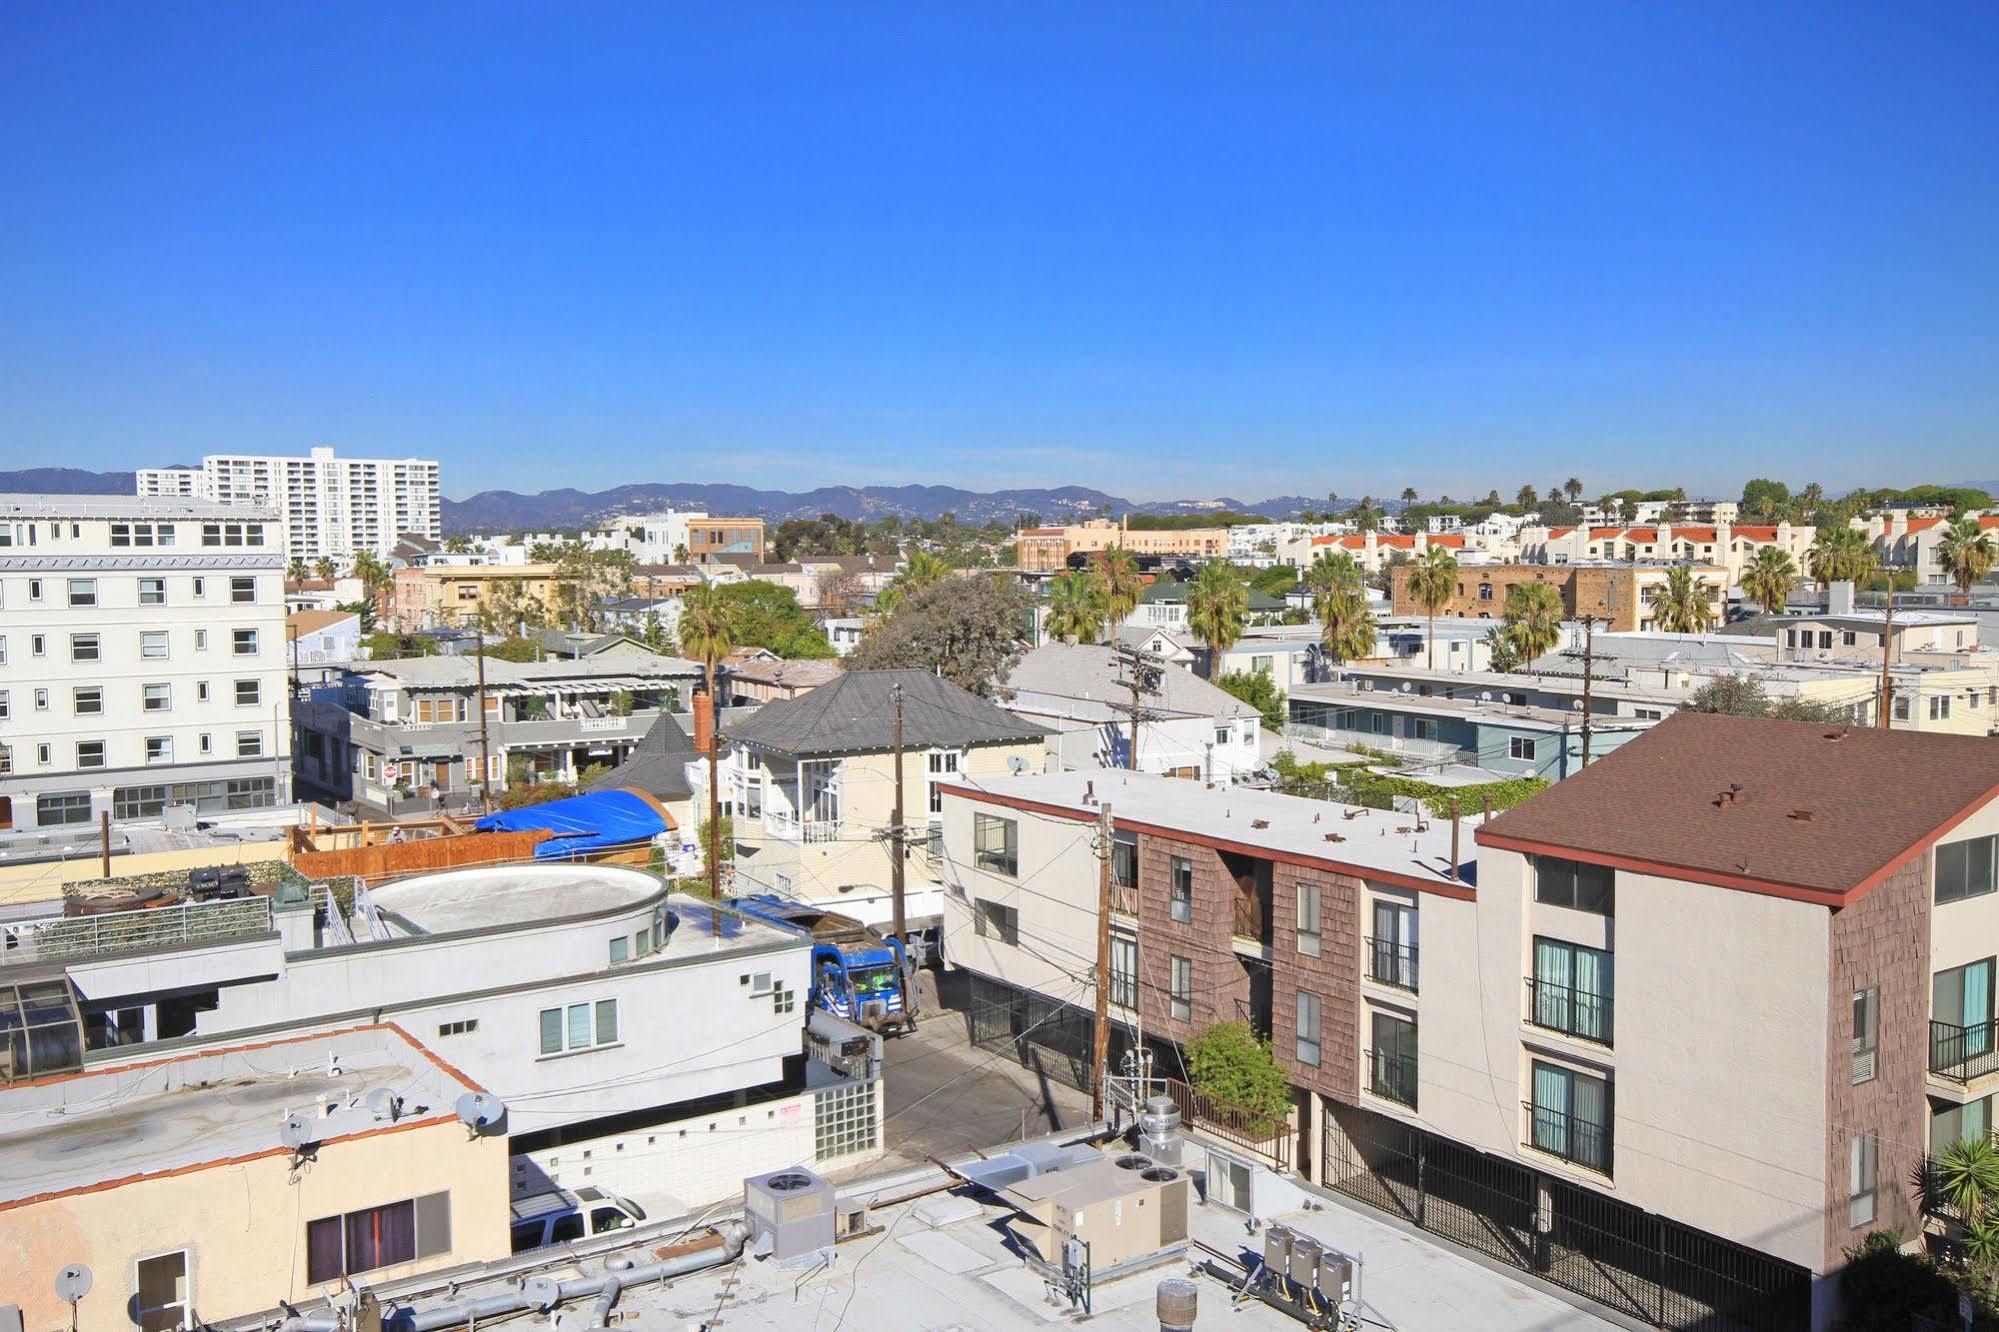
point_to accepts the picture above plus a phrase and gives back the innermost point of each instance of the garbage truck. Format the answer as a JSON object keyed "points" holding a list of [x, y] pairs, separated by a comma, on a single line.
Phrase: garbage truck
{"points": [[857, 974]]}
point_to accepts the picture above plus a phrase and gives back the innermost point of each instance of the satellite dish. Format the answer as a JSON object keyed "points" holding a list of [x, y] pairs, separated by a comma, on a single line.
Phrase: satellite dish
{"points": [[1485, 696], [73, 1283], [383, 1103], [480, 1110], [1016, 765], [1408, 688], [296, 1132], [541, 1292]]}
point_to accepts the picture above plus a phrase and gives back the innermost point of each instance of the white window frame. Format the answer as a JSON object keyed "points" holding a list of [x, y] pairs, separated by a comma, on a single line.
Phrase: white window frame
{"points": [[152, 638], [566, 1016], [186, 1301]]}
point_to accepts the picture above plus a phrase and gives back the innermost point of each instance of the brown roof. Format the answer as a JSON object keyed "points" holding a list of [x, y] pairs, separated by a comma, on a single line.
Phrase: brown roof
{"points": [[1791, 808], [312, 621]]}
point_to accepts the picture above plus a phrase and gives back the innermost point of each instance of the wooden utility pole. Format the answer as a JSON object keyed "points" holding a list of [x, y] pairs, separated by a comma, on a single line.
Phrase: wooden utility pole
{"points": [[1101, 1055], [1887, 703], [485, 751], [104, 836], [1131, 758], [896, 868], [1589, 662]]}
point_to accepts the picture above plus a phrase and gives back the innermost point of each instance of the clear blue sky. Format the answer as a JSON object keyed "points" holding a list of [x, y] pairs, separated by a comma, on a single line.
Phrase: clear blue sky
{"points": [[1165, 250]]}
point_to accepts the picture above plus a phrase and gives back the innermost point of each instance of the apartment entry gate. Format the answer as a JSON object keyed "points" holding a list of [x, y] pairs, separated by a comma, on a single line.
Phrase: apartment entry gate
{"points": [[1638, 1263]]}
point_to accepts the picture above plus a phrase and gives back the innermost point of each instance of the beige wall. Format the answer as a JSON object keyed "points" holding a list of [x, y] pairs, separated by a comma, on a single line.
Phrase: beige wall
{"points": [[1056, 893], [243, 1225], [1968, 930], [43, 883]]}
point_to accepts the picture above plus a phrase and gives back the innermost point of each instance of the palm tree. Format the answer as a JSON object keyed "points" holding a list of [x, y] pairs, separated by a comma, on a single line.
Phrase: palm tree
{"points": [[295, 571], [1118, 585], [1217, 604], [1526, 497], [1492, 497], [1074, 614], [1432, 582], [324, 567], [920, 569], [1346, 623], [1966, 554], [1769, 578], [707, 634], [375, 580], [1573, 488], [1684, 607], [1533, 620], [1408, 494], [1842, 554]]}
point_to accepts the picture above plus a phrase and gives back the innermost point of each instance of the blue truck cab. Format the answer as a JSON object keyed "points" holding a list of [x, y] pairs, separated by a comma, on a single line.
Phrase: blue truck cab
{"points": [[857, 974]]}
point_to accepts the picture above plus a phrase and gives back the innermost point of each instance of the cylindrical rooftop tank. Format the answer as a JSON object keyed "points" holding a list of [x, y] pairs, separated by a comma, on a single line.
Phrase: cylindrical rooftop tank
{"points": [[1177, 1303]]}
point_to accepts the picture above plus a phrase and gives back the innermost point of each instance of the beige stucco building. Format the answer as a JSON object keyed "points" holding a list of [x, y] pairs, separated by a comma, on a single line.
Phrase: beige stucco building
{"points": [[1046, 550]]}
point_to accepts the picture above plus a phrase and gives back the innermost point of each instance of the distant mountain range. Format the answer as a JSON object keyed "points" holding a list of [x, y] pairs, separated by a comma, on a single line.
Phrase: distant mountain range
{"points": [[67, 481]]}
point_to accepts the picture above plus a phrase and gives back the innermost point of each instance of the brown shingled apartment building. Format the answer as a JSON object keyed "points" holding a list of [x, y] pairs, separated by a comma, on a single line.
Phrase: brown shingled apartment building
{"points": [[1673, 1034], [1619, 596]]}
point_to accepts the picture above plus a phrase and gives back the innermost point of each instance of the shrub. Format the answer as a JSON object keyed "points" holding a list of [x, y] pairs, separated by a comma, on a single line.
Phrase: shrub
{"points": [[1231, 1061]]}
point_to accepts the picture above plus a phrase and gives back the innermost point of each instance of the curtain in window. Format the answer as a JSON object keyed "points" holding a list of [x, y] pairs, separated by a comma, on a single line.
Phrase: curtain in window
{"points": [[1552, 992], [1978, 1008], [1593, 992], [1551, 1105], [322, 1250], [381, 1237], [1590, 1117], [607, 1021], [551, 1031], [579, 1026]]}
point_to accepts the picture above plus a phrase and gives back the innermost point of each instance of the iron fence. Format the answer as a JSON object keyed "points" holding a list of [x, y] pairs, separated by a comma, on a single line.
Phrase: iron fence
{"points": [[1392, 963], [1962, 1053], [1267, 1135], [1573, 1012], [1392, 1075], [60, 938]]}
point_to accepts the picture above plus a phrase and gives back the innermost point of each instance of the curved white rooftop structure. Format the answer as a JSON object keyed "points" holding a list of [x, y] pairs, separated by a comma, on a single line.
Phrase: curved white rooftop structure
{"points": [[502, 895]]}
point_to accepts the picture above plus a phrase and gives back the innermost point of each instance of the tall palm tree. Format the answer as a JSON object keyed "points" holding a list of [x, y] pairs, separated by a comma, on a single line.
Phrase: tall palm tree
{"points": [[1408, 494], [1573, 488], [1842, 554], [1074, 613], [1217, 605], [375, 581], [295, 571], [1119, 585], [1684, 607], [1966, 554], [1333, 569], [1346, 622], [707, 634], [1526, 497], [324, 567], [1533, 620], [1432, 582], [1769, 578], [920, 569]]}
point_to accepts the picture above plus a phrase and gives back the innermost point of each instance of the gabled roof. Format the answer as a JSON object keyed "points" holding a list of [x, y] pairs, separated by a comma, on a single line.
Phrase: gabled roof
{"points": [[1086, 679], [657, 765], [1795, 809], [312, 621], [855, 714]]}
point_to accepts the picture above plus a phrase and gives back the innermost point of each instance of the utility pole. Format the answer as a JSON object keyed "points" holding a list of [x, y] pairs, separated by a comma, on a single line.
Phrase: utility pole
{"points": [[895, 836], [1887, 642], [1589, 662], [485, 752], [1101, 1055], [1131, 756]]}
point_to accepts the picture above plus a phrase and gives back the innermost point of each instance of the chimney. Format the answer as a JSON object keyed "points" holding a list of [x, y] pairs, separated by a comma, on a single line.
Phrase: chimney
{"points": [[1839, 597], [704, 723]]}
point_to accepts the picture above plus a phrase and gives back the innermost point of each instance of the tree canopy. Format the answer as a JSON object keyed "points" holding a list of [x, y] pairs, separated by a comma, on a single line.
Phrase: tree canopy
{"points": [[1260, 691], [968, 630], [1231, 1061], [767, 615]]}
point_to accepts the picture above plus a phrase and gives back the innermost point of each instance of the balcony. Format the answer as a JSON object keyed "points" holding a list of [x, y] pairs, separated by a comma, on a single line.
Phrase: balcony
{"points": [[1392, 1076], [787, 828], [1392, 963], [1560, 1134], [1573, 1012], [1962, 1054], [71, 938]]}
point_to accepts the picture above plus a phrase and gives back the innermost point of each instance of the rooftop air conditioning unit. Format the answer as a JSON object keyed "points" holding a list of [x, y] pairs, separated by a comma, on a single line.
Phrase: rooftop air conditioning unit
{"points": [[792, 1214]]}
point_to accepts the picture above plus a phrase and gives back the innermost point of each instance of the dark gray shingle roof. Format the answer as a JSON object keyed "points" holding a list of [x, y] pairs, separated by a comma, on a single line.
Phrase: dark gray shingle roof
{"points": [[658, 763], [855, 713]]}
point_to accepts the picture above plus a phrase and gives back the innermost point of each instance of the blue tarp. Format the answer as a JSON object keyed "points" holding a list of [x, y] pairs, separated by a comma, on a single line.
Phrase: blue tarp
{"points": [[582, 823]]}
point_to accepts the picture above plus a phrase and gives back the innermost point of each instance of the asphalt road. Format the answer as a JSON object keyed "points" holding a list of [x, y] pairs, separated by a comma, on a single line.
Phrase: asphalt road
{"points": [[946, 1097]]}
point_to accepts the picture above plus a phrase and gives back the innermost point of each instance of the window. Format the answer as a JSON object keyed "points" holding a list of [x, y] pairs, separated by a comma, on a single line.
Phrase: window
{"points": [[783, 999], [162, 1299], [996, 844], [1521, 747], [83, 592], [242, 590], [1862, 1159], [5, 711], [1571, 883], [64, 808], [621, 949], [200, 635], [1308, 1029], [156, 697], [462, 1027], [1961, 1019], [152, 591], [1966, 869], [248, 692], [1846, 638], [37, 645], [153, 645], [1391, 1070], [232, 534], [399, 1232], [1569, 1116], [995, 920], [845, 1121], [1572, 989], [1124, 970], [1181, 889], [200, 590], [1181, 996], [41, 700], [159, 749], [943, 765], [579, 1027], [249, 744], [83, 647], [1902, 711], [1391, 951], [1124, 871], [87, 701], [1939, 707], [34, 589], [244, 642], [1309, 916], [1866, 1033], [90, 753], [201, 691], [1970, 1122]]}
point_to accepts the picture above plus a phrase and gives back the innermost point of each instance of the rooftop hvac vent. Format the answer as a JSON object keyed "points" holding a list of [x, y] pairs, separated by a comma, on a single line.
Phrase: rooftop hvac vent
{"points": [[1133, 1161], [788, 1183], [1159, 1175], [793, 1214]]}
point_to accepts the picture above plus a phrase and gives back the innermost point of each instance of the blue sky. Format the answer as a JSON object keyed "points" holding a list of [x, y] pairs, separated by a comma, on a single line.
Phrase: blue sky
{"points": [[1166, 250]]}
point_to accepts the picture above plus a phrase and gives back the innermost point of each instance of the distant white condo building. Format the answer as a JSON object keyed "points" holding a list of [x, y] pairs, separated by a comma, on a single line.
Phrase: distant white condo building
{"points": [[329, 506]]}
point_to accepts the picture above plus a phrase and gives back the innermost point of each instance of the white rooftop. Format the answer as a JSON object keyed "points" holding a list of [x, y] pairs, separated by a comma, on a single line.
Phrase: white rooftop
{"points": [[128, 506]]}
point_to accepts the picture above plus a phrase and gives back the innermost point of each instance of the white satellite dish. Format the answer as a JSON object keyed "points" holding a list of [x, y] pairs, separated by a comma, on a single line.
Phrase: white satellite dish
{"points": [[480, 1110], [542, 1293], [1485, 696], [1016, 765], [73, 1283], [295, 1132], [384, 1103]]}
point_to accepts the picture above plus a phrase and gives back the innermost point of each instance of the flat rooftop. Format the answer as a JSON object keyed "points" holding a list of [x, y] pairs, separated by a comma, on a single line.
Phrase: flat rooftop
{"points": [[70, 1134], [1523, 715], [1370, 841], [154, 507]]}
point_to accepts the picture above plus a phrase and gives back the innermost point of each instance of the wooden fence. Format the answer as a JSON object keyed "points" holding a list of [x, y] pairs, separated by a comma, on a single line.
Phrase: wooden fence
{"points": [[390, 860]]}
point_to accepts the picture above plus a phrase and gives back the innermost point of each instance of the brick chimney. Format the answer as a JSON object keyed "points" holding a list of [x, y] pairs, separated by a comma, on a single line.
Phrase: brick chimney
{"points": [[704, 723]]}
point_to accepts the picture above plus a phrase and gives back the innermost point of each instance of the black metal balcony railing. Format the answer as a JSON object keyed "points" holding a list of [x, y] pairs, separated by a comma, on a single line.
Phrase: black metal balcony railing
{"points": [[1960, 1054], [1392, 963], [1562, 1134], [1393, 1076], [1570, 1011]]}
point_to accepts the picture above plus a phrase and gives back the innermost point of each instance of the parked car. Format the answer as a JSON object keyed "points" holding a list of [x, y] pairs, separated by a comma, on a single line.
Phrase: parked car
{"points": [[558, 1216]]}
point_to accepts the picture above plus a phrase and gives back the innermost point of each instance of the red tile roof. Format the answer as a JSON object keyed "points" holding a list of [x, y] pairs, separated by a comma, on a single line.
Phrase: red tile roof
{"points": [[1555, 532], [1695, 534], [1451, 540], [1756, 533], [1794, 809]]}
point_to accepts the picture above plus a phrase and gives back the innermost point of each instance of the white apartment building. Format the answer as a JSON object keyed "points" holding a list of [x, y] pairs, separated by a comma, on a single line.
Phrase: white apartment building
{"points": [[330, 506], [142, 659]]}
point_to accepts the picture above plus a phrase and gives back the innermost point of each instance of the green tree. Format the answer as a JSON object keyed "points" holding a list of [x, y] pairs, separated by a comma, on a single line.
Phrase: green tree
{"points": [[1231, 1061], [1526, 497], [1260, 691], [1573, 488], [324, 568], [1339, 600], [376, 580], [1409, 495], [708, 634], [1532, 620], [1074, 613], [1966, 554], [1763, 499], [1743, 696], [1842, 554], [1217, 605], [1683, 606], [1119, 585], [1433, 582], [458, 544], [767, 615], [1769, 577], [656, 636], [919, 570], [295, 571], [968, 630]]}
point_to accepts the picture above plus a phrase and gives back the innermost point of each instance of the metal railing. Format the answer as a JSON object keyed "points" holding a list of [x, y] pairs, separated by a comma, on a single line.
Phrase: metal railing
{"points": [[1561, 1134], [800, 830], [1392, 963], [1959, 1054], [1392, 1076], [61, 938], [1268, 1135], [1571, 1011]]}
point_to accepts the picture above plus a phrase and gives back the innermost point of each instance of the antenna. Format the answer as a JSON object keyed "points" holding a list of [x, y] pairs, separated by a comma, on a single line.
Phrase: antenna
{"points": [[480, 1111], [296, 1132]]}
